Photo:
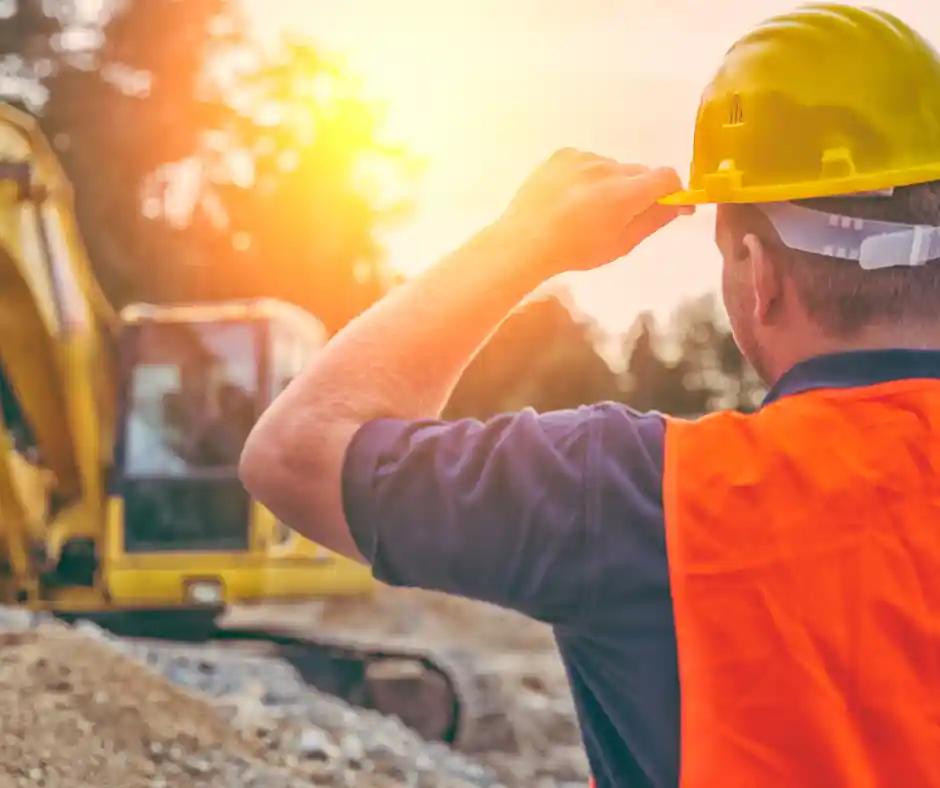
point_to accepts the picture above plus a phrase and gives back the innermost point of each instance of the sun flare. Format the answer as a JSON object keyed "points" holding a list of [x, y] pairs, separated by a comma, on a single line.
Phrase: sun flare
{"points": [[485, 89]]}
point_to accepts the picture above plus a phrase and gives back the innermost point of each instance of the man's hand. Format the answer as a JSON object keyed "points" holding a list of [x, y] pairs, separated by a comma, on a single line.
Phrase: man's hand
{"points": [[403, 356], [581, 211]]}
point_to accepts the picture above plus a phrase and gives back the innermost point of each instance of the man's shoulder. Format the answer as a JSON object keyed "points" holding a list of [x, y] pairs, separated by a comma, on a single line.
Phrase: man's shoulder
{"points": [[606, 412], [625, 439], [622, 448], [611, 420], [602, 434], [619, 450]]}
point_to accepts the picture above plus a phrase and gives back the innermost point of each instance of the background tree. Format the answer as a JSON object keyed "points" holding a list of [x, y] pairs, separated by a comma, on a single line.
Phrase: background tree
{"points": [[206, 163], [715, 366], [547, 355], [655, 381], [690, 367], [543, 356]]}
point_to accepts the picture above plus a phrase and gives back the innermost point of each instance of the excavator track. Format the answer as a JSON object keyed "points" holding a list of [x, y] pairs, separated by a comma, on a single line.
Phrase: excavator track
{"points": [[440, 693]]}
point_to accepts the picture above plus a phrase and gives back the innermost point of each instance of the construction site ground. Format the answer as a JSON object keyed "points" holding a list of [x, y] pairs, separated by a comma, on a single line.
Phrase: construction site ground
{"points": [[85, 708]]}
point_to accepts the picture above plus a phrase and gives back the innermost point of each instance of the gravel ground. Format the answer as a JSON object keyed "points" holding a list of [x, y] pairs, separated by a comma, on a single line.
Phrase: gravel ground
{"points": [[77, 713], [522, 652], [90, 709]]}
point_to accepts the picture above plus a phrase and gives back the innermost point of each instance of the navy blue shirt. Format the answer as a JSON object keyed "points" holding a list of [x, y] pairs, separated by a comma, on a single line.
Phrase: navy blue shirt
{"points": [[560, 516]]}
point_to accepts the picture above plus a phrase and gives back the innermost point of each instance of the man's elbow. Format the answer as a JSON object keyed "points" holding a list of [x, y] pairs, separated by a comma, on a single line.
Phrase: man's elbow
{"points": [[275, 477], [296, 475], [268, 454], [257, 466]]}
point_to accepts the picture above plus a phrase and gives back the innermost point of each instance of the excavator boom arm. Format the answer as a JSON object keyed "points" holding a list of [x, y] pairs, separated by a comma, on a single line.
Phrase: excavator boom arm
{"points": [[56, 346]]}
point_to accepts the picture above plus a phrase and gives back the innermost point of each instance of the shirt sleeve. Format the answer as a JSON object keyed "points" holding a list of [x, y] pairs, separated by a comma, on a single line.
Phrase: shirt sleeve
{"points": [[494, 511], [628, 586]]}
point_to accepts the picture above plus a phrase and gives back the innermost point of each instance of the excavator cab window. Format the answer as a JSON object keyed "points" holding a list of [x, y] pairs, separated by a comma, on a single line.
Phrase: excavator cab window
{"points": [[193, 397], [17, 425], [291, 343], [289, 353], [294, 339], [193, 393]]}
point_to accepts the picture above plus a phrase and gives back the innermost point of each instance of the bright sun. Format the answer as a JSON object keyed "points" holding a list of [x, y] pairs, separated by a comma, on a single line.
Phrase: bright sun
{"points": [[402, 65], [392, 83], [414, 60]]}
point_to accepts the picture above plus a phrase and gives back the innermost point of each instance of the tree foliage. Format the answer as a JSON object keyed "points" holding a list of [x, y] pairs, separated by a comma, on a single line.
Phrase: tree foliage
{"points": [[207, 163], [547, 357], [689, 367], [542, 356]]}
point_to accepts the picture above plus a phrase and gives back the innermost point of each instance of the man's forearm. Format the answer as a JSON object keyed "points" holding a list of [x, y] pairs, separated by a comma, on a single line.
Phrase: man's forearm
{"points": [[401, 359], [407, 353]]}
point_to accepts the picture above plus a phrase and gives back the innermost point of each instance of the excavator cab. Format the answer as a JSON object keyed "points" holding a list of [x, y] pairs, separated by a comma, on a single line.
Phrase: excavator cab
{"points": [[182, 528], [120, 433], [191, 393]]}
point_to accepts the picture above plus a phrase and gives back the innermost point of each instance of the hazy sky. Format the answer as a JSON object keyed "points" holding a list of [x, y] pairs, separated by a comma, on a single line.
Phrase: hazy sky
{"points": [[488, 88]]}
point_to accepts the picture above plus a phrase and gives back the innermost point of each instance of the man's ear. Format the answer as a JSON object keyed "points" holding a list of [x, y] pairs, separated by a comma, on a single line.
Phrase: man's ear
{"points": [[767, 282]]}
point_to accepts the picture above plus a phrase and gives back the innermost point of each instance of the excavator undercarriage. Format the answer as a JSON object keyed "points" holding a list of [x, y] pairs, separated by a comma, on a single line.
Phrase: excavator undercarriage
{"points": [[440, 693]]}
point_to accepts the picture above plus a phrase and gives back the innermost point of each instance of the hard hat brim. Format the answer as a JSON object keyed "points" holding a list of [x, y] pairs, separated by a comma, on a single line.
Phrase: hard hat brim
{"points": [[806, 190], [685, 197]]}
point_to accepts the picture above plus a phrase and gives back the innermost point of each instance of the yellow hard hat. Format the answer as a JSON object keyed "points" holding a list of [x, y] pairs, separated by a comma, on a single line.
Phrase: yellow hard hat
{"points": [[826, 100]]}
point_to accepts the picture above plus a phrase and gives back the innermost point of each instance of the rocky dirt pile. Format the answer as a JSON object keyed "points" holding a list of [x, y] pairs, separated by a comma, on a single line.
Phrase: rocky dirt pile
{"points": [[77, 713], [83, 710]]}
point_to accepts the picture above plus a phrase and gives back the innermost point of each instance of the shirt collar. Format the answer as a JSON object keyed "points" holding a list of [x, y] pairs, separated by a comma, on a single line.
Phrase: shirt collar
{"points": [[856, 369]]}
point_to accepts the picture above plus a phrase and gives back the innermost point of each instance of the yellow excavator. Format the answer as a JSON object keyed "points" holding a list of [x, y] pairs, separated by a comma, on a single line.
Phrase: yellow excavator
{"points": [[120, 434]]}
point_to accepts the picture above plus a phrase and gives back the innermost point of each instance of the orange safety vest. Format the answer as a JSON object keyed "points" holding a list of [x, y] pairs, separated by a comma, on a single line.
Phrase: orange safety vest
{"points": [[804, 556]]}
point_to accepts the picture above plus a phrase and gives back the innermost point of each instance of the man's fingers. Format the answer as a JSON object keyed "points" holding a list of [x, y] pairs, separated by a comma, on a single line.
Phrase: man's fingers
{"points": [[633, 169], [594, 162], [599, 169], [645, 224], [644, 189]]}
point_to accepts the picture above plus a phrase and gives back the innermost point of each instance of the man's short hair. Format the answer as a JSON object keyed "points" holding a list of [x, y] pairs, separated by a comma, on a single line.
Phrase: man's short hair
{"points": [[839, 295]]}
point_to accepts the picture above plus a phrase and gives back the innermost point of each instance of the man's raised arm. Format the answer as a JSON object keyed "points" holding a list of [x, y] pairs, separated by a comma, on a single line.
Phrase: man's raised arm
{"points": [[402, 358]]}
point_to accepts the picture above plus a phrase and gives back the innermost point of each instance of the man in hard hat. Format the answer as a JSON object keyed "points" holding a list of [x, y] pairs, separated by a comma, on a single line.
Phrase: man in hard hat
{"points": [[752, 598]]}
